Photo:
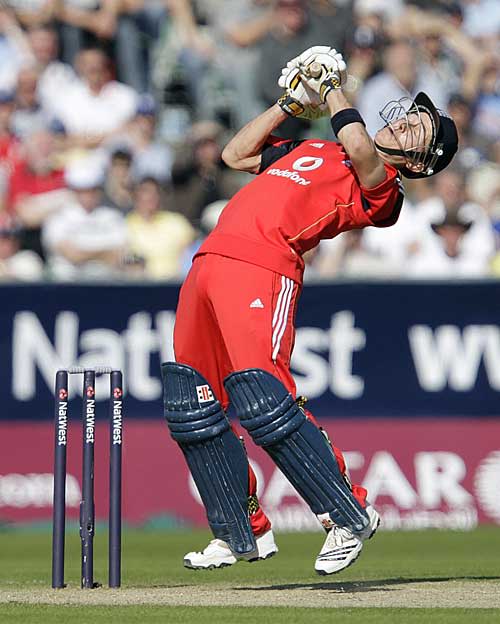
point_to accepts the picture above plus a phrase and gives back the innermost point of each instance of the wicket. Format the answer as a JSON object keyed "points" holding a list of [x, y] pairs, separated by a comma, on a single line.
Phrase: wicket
{"points": [[87, 506]]}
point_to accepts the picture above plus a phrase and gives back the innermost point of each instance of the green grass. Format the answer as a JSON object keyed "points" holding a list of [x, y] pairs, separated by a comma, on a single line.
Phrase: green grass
{"points": [[26, 614], [154, 559]]}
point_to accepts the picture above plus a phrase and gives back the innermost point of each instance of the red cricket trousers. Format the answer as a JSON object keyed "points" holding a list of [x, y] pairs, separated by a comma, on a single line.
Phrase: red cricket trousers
{"points": [[233, 315]]}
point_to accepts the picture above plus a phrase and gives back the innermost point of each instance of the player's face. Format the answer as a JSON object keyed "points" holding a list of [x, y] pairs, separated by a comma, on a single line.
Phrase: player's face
{"points": [[411, 132]]}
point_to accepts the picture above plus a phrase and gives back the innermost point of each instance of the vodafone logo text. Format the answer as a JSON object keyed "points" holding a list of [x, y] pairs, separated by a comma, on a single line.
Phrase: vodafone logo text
{"points": [[291, 175], [305, 163]]}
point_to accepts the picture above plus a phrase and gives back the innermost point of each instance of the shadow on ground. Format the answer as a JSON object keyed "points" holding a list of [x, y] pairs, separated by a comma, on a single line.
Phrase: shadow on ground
{"points": [[367, 586]]}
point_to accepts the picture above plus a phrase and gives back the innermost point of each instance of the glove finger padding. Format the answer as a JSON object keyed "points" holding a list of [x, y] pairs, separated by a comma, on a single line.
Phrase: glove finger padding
{"points": [[322, 86], [287, 80], [328, 63], [282, 80], [290, 101], [341, 68], [309, 56], [299, 100], [290, 78], [333, 74]]}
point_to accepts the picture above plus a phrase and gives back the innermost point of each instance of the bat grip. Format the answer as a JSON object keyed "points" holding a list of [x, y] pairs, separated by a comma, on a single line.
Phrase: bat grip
{"points": [[315, 69]]}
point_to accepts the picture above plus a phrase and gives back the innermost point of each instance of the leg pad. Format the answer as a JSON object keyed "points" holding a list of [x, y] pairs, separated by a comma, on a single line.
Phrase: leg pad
{"points": [[214, 454], [274, 420]]}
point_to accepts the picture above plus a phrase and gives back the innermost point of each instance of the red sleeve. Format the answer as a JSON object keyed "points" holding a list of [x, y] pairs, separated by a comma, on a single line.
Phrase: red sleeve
{"points": [[381, 205]]}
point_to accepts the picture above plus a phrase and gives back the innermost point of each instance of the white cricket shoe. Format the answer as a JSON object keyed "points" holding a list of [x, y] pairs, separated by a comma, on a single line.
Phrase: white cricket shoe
{"points": [[342, 548], [218, 554]]}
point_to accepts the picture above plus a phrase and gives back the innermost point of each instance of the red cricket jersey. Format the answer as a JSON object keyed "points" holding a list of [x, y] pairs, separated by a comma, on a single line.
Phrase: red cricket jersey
{"points": [[305, 191], [24, 181], [9, 148]]}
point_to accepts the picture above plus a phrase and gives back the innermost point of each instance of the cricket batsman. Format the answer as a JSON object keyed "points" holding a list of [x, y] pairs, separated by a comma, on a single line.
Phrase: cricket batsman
{"points": [[234, 332]]}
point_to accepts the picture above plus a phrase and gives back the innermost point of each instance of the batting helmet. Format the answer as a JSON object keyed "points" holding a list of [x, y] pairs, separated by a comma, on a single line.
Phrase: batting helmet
{"points": [[443, 143]]}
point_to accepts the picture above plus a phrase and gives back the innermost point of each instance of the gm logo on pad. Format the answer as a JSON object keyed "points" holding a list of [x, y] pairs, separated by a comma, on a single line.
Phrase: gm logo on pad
{"points": [[204, 394]]}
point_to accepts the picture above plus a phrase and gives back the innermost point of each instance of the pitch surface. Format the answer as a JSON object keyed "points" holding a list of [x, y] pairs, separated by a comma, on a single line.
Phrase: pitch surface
{"points": [[448, 573]]}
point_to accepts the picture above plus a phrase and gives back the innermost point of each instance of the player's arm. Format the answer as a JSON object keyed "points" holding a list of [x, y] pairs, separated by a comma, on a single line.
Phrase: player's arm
{"points": [[244, 151], [248, 151], [357, 143], [325, 74]]}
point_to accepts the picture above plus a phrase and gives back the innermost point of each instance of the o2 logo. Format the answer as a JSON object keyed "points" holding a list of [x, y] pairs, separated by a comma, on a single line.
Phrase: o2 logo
{"points": [[307, 163]]}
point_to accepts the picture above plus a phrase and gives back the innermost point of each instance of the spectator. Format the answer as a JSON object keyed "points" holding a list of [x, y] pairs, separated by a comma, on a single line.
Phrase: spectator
{"points": [[95, 106], [455, 237], [199, 176], [399, 242], [470, 152], [29, 116], [85, 239], [138, 29], [293, 31], [400, 77], [155, 234], [86, 23], [453, 7], [238, 27], [209, 217], [184, 52], [483, 184], [33, 12], [332, 22], [16, 265], [36, 186], [14, 49], [9, 144], [242, 28], [118, 183], [486, 121], [447, 54], [150, 157], [348, 255], [364, 50], [446, 254], [385, 9], [482, 19], [63, 148], [449, 49], [54, 77]]}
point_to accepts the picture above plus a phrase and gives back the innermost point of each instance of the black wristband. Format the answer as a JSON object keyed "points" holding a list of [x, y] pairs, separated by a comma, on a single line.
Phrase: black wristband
{"points": [[344, 118]]}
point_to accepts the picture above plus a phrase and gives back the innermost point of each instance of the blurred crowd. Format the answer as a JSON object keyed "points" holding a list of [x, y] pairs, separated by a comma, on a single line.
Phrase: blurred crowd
{"points": [[114, 113]]}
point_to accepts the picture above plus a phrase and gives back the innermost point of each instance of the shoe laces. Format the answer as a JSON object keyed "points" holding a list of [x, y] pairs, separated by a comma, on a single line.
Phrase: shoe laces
{"points": [[216, 542], [337, 536]]}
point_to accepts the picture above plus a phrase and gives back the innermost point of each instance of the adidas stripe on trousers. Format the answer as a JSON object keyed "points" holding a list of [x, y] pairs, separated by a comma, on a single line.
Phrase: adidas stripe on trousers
{"points": [[221, 328]]}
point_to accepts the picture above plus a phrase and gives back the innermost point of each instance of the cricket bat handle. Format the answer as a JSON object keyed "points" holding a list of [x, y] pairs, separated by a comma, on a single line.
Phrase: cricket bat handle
{"points": [[315, 69]]}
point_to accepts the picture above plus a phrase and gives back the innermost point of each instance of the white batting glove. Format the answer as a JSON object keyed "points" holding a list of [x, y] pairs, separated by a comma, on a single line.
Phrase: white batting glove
{"points": [[325, 55], [308, 55], [329, 65], [298, 99], [292, 81], [332, 75]]}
